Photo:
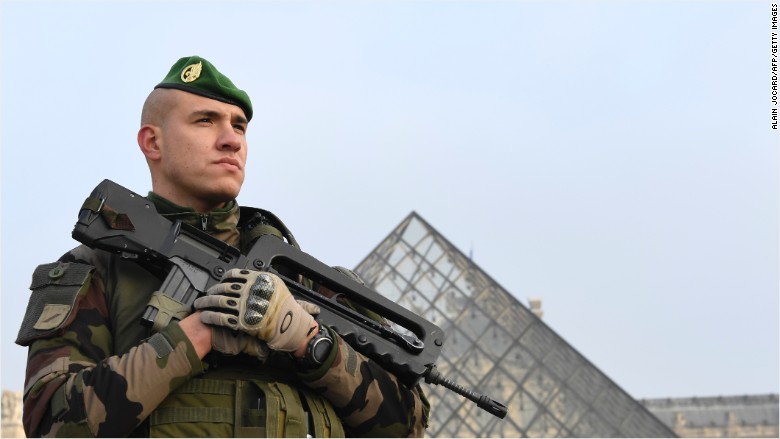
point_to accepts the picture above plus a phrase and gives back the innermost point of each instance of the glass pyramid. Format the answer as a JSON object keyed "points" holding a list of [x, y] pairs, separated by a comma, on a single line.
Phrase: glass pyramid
{"points": [[497, 347]]}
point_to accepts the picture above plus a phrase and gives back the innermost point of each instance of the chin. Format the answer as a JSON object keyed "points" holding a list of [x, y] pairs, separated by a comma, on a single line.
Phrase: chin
{"points": [[227, 194], [227, 188]]}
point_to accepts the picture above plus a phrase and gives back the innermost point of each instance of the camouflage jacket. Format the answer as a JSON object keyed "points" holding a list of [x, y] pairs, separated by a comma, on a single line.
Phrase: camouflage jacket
{"points": [[93, 370]]}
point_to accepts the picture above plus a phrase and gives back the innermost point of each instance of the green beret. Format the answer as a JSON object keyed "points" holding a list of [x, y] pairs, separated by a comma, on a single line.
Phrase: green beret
{"points": [[194, 74]]}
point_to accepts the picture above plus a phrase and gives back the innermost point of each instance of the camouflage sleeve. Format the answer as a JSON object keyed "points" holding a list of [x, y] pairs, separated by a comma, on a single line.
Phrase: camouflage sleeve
{"points": [[76, 386], [370, 400]]}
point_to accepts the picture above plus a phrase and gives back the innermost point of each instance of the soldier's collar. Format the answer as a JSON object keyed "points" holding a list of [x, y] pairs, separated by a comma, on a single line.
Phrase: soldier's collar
{"points": [[221, 223]]}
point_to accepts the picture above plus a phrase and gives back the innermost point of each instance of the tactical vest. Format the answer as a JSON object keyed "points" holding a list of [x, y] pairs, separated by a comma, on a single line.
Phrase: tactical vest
{"points": [[237, 396], [245, 400]]}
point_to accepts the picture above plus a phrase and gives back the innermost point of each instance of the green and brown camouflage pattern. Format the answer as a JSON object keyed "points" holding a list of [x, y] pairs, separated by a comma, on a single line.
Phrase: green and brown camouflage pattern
{"points": [[103, 374], [365, 415]]}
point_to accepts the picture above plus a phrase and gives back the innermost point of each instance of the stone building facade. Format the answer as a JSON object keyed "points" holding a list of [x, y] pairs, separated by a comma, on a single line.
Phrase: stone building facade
{"points": [[12, 414], [720, 416]]}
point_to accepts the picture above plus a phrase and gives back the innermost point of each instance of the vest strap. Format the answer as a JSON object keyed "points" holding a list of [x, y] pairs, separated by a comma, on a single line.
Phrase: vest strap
{"points": [[169, 415], [285, 416], [212, 387], [326, 421]]}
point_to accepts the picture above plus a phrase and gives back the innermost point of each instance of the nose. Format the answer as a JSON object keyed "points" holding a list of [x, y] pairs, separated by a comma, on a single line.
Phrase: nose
{"points": [[230, 140]]}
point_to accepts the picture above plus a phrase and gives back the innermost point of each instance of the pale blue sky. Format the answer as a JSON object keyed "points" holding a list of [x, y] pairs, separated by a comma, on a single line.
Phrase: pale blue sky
{"points": [[613, 158]]}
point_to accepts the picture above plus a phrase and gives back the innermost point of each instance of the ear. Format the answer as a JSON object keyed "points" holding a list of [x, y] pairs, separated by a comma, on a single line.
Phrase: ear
{"points": [[149, 142]]}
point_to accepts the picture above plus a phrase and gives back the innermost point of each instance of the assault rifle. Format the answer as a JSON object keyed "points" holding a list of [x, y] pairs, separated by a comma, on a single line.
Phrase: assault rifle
{"points": [[117, 220]]}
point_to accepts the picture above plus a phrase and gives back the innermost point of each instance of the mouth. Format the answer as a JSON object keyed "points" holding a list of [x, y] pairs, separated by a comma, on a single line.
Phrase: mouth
{"points": [[229, 163]]}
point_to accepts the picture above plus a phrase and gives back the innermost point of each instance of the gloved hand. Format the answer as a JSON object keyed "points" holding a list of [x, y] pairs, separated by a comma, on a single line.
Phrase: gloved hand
{"points": [[233, 343], [258, 304]]}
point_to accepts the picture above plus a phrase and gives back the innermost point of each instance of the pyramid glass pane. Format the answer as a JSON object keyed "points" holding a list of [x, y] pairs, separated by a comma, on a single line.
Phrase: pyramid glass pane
{"points": [[498, 347]]}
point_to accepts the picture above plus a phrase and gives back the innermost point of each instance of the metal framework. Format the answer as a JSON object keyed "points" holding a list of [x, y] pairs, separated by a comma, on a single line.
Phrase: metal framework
{"points": [[497, 346]]}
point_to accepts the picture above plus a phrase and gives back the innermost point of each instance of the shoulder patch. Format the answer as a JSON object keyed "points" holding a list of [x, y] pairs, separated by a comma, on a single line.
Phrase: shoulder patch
{"points": [[52, 316], [55, 289]]}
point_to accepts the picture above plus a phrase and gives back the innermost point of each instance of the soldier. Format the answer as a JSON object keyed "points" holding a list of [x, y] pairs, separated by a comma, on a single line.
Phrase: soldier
{"points": [[234, 367]]}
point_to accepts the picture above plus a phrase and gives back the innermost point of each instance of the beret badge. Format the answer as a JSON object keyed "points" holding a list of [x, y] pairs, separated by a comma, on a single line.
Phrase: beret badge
{"points": [[191, 72]]}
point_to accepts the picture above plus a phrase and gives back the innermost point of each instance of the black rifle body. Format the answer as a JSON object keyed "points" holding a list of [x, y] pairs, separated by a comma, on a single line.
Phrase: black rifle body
{"points": [[190, 261]]}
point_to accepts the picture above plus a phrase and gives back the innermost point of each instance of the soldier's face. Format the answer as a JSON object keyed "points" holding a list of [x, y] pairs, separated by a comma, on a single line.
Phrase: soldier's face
{"points": [[203, 151]]}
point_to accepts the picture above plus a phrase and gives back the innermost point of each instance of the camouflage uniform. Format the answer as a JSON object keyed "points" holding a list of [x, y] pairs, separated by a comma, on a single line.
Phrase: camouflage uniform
{"points": [[93, 370]]}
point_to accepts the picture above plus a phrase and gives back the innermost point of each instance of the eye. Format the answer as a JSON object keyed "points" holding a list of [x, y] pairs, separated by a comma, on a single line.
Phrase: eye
{"points": [[240, 128]]}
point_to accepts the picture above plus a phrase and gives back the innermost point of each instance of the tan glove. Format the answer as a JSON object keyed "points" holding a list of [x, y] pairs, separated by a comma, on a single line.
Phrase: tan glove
{"points": [[233, 343], [258, 304]]}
